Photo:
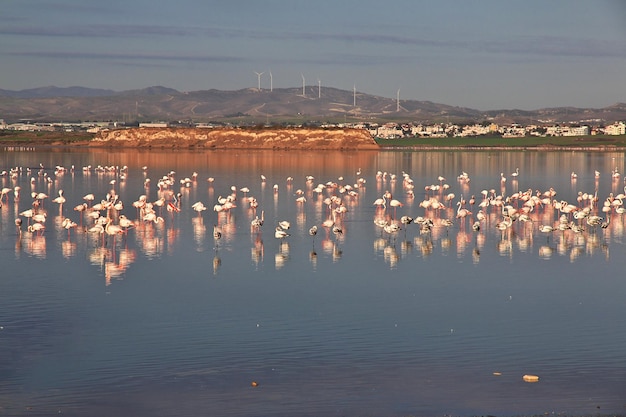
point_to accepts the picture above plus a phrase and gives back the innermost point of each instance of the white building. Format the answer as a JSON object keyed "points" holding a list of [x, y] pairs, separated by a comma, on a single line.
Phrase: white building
{"points": [[389, 131], [618, 128]]}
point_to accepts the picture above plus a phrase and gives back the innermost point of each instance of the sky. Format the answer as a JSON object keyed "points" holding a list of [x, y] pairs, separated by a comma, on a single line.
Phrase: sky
{"points": [[486, 55]]}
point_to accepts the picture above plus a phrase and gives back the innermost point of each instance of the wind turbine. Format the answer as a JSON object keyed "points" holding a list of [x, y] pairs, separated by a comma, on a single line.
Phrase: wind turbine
{"points": [[271, 82], [398, 101], [354, 96], [319, 88], [258, 74], [303, 84]]}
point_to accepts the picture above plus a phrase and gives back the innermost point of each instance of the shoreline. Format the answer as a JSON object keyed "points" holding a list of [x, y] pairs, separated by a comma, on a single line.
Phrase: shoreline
{"points": [[10, 145], [279, 139]]}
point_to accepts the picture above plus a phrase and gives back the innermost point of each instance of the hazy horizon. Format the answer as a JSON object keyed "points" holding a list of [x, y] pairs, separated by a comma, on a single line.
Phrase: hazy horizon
{"points": [[483, 55]]}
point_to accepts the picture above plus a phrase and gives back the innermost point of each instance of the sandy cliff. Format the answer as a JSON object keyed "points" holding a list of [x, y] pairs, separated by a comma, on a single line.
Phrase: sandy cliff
{"points": [[223, 138]]}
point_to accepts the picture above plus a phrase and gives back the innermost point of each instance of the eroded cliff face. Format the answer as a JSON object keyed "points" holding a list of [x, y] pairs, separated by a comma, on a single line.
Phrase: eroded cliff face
{"points": [[226, 138]]}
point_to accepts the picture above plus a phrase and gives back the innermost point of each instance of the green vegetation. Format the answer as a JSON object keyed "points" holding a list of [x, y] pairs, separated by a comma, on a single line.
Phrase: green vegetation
{"points": [[11, 137], [528, 142]]}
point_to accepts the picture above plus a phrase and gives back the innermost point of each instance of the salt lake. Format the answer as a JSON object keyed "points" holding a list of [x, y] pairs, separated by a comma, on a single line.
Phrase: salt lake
{"points": [[165, 319]]}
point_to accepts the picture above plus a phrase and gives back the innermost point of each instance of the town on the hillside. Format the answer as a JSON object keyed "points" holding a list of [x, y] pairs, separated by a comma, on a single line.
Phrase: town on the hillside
{"points": [[389, 130]]}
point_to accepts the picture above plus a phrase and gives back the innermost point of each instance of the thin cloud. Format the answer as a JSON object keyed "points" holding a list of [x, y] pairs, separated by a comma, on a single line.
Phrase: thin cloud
{"points": [[128, 57], [528, 46], [96, 31], [556, 46]]}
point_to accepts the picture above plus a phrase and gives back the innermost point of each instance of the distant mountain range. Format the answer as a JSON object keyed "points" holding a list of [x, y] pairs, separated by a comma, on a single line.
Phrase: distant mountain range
{"points": [[251, 105]]}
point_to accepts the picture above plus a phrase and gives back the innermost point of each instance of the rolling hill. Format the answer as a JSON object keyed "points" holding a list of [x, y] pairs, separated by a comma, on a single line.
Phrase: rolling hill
{"points": [[282, 105]]}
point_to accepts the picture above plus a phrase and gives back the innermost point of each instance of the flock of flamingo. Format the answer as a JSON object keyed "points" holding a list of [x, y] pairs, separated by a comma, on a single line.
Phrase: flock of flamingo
{"points": [[441, 210]]}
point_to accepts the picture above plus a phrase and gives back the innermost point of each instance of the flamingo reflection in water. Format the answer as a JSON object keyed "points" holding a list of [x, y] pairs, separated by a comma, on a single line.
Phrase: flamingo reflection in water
{"points": [[513, 215]]}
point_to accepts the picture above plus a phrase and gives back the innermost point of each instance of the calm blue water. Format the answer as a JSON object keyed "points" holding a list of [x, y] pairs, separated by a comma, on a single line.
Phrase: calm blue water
{"points": [[168, 321]]}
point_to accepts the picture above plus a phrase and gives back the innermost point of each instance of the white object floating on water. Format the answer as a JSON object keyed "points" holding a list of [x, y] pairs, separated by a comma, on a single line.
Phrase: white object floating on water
{"points": [[530, 378]]}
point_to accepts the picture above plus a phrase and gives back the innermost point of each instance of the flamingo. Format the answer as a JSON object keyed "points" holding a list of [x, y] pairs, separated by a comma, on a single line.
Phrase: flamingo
{"points": [[28, 214], [89, 198], [152, 217], [381, 202], [395, 204], [125, 223], [18, 226], [313, 232], [37, 228], [257, 222], [199, 207], [547, 229], [5, 192], [279, 233], [461, 212], [68, 224], [113, 230]]}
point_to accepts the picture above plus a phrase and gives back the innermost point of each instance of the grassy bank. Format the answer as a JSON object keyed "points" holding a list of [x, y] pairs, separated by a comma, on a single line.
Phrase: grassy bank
{"points": [[499, 142], [11, 137]]}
